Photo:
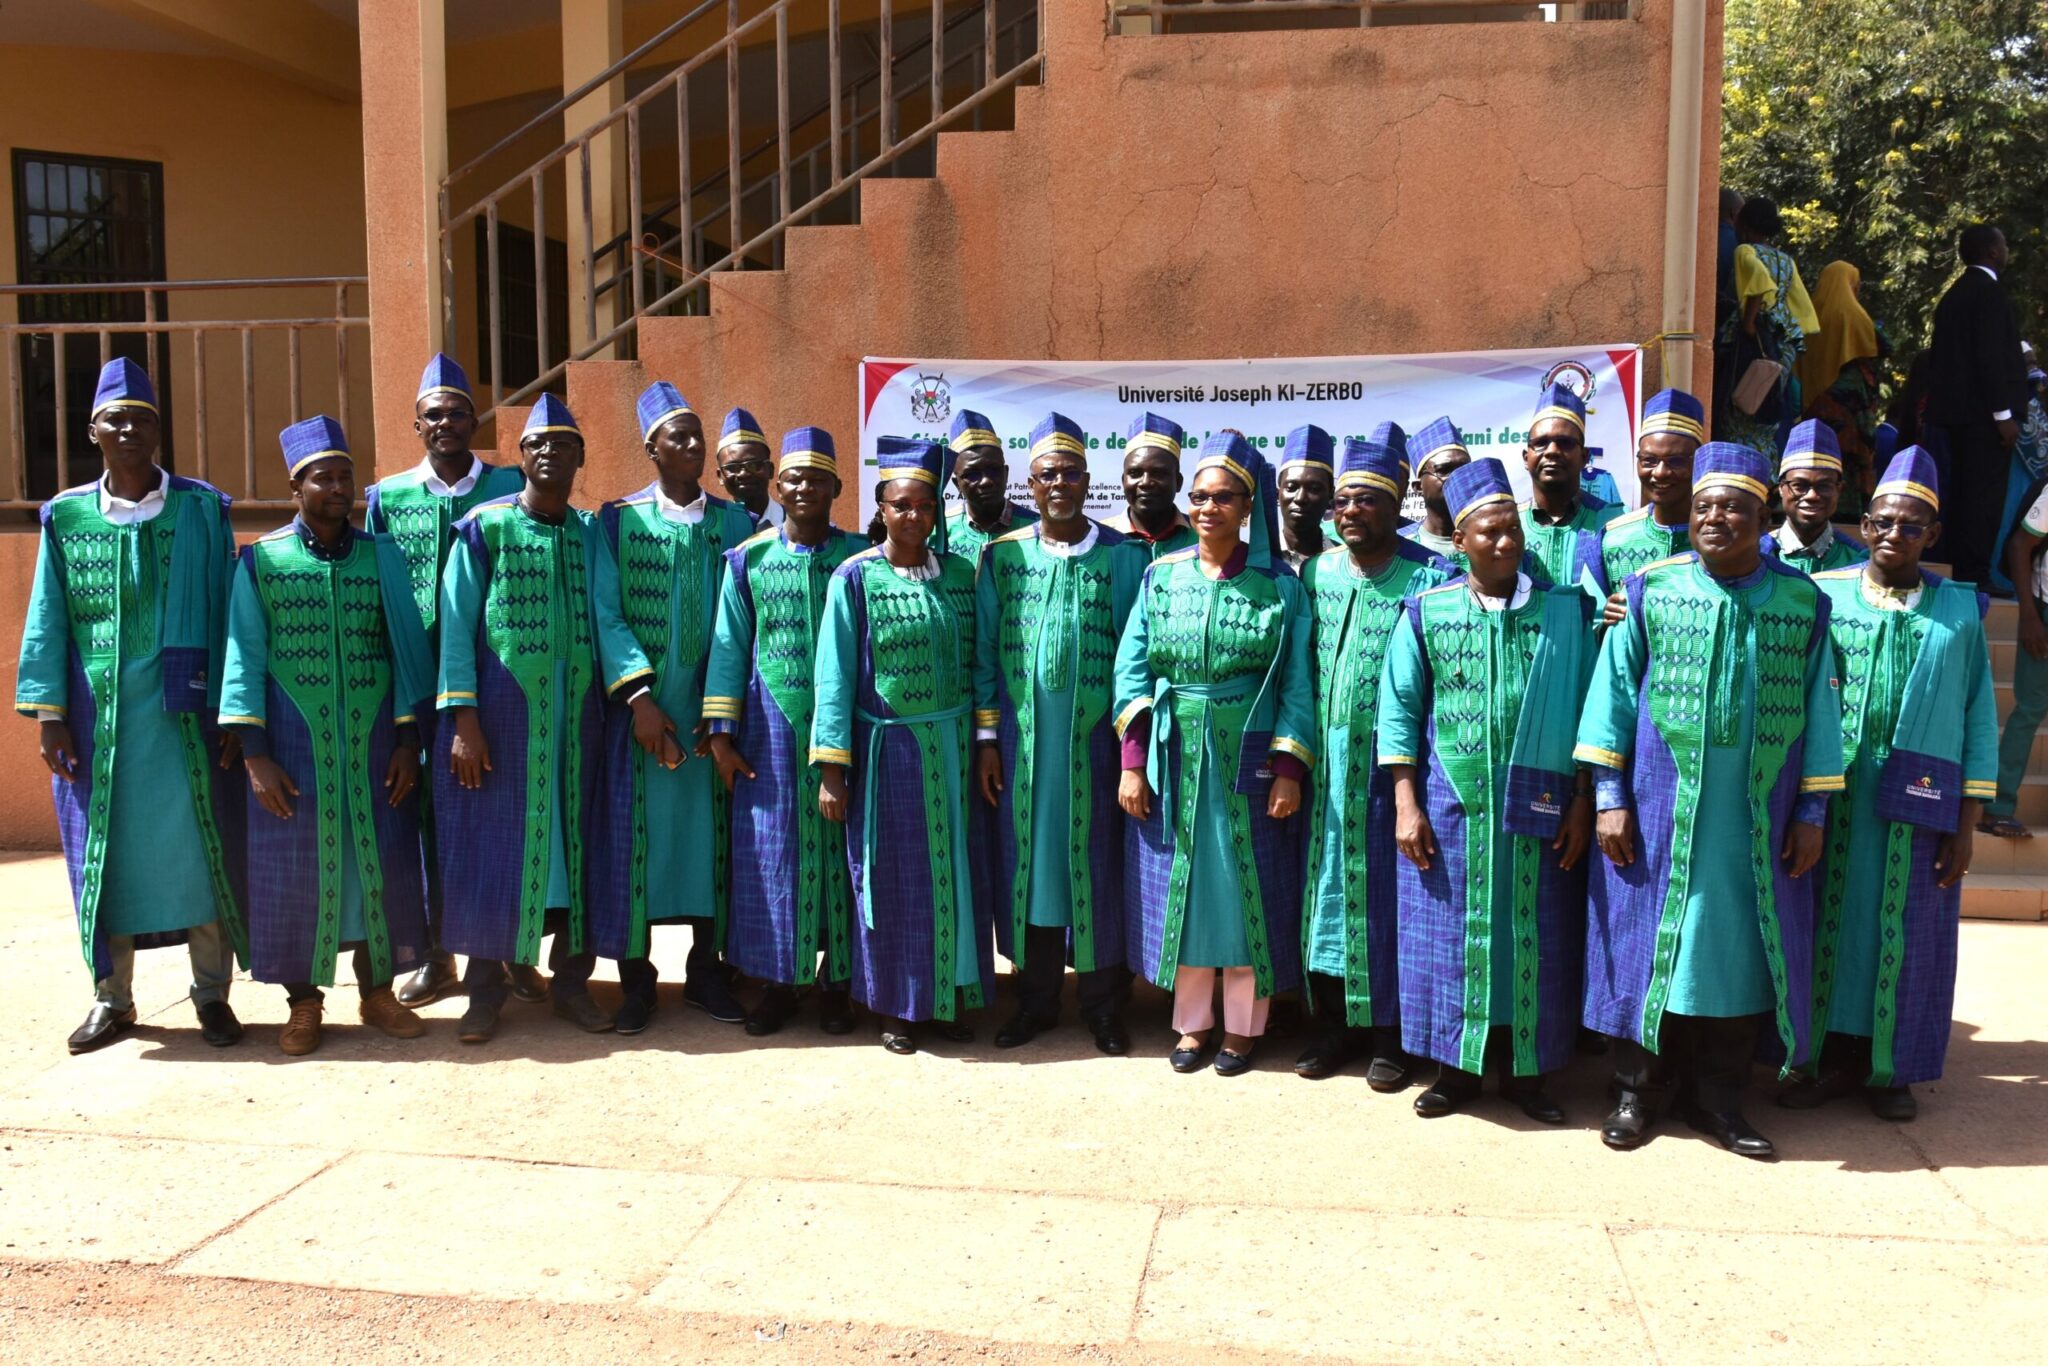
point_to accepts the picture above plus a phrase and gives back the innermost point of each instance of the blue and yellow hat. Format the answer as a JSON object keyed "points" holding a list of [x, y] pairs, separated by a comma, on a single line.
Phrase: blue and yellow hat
{"points": [[1230, 451], [1151, 429], [1911, 473], [1560, 401], [123, 384], [1473, 486], [1390, 435], [1054, 432], [444, 376], [1811, 445], [739, 429], [1310, 445], [316, 438], [549, 414], [1674, 410], [1370, 464], [912, 457], [659, 402], [1436, 438], [1727, 464], [972, 429], [805, 448]]}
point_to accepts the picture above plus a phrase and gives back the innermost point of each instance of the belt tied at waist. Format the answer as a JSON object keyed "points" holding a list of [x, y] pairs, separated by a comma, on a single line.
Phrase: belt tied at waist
{"points": [[878, 727]]}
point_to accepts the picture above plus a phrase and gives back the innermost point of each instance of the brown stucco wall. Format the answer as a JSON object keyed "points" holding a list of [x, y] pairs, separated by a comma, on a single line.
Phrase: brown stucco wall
{"points": [[1301, 193]]}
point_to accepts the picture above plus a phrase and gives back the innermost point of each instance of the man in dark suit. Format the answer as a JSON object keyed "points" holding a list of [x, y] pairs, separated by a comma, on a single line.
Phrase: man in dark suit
{"points": [[1977, 387]]}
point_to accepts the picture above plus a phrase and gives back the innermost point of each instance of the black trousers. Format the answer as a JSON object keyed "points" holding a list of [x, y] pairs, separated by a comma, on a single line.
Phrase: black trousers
{"points": [[1713, 1053], [1972, 499], [569, 974], [1039, 976], [1326, 1002], [637, 976], [296, 992]]}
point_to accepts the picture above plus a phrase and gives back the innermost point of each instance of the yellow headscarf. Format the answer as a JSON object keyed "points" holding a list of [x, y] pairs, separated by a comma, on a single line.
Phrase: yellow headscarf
{"points": [[1846, 332]]}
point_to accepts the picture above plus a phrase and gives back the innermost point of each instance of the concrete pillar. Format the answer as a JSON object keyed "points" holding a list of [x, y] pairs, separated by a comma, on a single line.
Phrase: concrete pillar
{"points": [[593, 37], [405, 156]]}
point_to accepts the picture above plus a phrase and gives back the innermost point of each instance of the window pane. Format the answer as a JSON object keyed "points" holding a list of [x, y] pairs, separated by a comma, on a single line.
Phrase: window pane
{"points": [[32, 185]]}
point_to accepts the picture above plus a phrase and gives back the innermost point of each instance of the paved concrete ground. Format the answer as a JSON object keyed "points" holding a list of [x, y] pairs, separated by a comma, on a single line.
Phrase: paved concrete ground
{"points": [[689, 1195]]}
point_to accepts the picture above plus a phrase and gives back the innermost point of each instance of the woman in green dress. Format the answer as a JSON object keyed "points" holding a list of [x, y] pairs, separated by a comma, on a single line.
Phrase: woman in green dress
{"points": [[1215, 709]]}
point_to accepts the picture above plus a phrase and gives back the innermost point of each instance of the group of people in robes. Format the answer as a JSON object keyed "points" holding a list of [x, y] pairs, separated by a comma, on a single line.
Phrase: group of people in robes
{"points": [[1509, 782]]}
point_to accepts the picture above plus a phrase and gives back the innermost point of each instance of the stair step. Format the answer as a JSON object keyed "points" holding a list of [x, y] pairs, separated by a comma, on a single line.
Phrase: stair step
{"points": [[2005, 897], [1995, 857]]}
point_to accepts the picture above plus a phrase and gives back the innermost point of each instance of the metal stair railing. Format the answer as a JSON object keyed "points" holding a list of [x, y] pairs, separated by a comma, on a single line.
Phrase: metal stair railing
{"points": [[667, 97]]}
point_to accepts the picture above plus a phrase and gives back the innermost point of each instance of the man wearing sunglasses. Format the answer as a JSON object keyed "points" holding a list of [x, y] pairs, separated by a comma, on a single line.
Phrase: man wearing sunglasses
{"points": [[1559, 508]]}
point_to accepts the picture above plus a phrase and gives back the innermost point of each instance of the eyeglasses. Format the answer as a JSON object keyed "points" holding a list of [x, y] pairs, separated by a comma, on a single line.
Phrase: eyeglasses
{"points": [[1804, 488], [1885, 526], [752, 466], [1055, 478], [1345, 501], [1222, 500]]}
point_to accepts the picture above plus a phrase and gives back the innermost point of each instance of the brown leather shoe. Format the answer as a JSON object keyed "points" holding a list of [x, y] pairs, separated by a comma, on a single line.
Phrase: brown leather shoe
{"points": [[302, 1031], [381, 1011]]}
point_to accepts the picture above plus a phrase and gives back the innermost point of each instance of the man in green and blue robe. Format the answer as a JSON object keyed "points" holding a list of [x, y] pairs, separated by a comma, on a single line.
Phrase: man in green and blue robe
{"points": [[891, 736], [1673, 427], [745, 467], [661, 835], [1350, 930], [1920, 741], [419, 509], [1715, 733], [531, 643], [1307, 475], [981, 475], [1809, 490], [327, 674], [1152, 478], [1050, 601], [121, 663], [1442, 449], [1558, 508], [789, 899], [1482, 683]]}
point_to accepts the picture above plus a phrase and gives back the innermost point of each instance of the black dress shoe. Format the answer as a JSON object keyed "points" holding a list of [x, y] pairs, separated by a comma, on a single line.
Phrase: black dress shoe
{"points": [[953, 1031], [1110, 1035], [1021, 1029], [478, 1022], [1895, 1103], [636, 1012], [711, 995], [897, 1038], [585, 1013], [1732, 1132], [527, 983], [1534, 1102], [835, 1012], [1231, 1063], [1810, 1092], [1327, 1056], [103, 1024], [434, 979], [1390, 1072], [218, 1025], [1451, 1092], [778, 1003], [1628, 1124]]}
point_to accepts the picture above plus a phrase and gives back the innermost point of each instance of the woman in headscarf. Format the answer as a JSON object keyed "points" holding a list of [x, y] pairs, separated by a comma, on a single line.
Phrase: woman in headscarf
{"points": [[1772, 320], [1216, 711], [1838, 374]]}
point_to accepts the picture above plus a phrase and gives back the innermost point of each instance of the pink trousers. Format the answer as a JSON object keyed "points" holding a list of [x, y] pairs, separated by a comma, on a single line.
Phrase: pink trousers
{"points": [[1194, 1001]]}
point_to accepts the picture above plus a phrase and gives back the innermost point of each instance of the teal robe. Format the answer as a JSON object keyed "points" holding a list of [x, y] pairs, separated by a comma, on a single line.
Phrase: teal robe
{"points": [[423, 523], [965, 539], [124, 637], [1558, 546], [1919, 736], [1632, 542]]}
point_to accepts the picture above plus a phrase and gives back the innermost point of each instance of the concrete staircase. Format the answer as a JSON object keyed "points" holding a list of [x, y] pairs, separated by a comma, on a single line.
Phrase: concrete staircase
{"points": [[2008, 879]]}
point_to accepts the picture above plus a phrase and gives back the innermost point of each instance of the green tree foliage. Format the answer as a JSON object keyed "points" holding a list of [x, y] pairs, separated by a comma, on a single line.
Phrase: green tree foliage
{"points": [[1882, 128]]}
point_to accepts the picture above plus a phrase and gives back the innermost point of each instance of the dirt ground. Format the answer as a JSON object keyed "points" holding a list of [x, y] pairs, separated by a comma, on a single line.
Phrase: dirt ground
{"points": [[694, 1195]]}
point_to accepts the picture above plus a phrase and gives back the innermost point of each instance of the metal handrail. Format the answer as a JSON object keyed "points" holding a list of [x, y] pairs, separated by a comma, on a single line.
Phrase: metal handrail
{"points": [[1241, 9], [574, 157], [340, 322]]}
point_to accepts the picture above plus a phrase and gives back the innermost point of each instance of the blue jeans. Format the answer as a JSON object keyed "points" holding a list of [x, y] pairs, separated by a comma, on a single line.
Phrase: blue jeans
{"points": [[2029, 707]]}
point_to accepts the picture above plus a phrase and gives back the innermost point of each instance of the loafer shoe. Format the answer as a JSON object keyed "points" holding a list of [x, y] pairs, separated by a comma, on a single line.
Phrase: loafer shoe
{"points": [[1811, 1091], [1895, 1103], [381, 1011], [953, 1031], [711, 995], [1448, 1094], [218, 1025], [583, 1012], [897, 1038], [778, 1003], [1323, 1058], [103, 1024], [1189, 1059], [1021, 1029], [1390, 1073], [431, 981], [1534, 1102], [1110, 1036], [1732, 1132], [302, 1032], [528, 983], [478, 1023], [1231, 1063]]}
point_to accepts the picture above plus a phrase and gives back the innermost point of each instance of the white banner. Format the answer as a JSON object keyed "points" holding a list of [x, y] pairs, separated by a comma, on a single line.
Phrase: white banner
{"points": [[1489, 394]]}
